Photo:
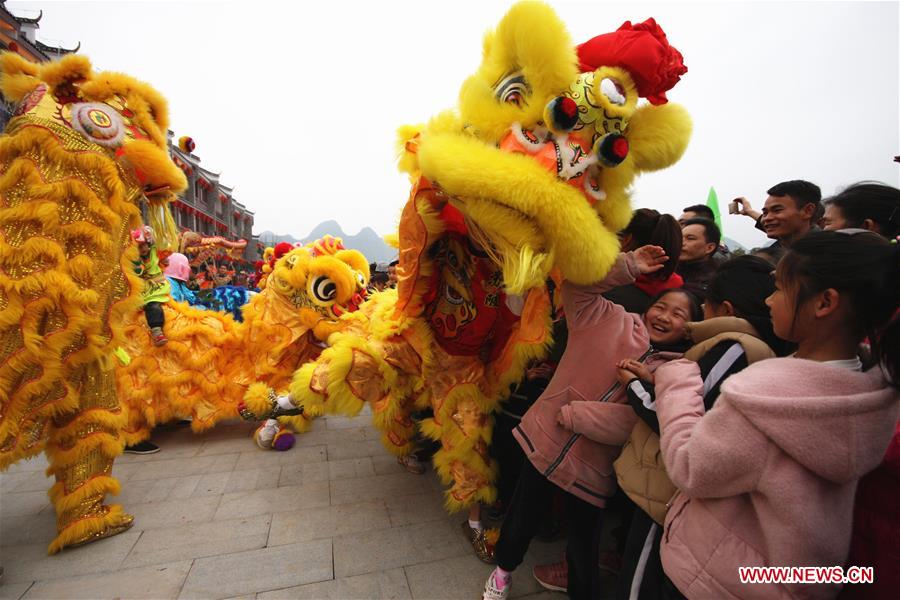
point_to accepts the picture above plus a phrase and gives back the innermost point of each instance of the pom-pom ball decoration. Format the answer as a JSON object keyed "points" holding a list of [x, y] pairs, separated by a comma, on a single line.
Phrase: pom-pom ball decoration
{"points": [[561, 114], [186, 144], [611, 149]]}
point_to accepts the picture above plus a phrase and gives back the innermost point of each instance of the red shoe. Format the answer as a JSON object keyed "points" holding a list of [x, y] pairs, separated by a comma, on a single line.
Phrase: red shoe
{"points": [[158, 337], [553, 577]]}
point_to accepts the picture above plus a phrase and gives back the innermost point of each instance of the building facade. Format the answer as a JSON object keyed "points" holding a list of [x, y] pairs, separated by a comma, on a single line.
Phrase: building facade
{"points": [[207, 206], [19, 34]]}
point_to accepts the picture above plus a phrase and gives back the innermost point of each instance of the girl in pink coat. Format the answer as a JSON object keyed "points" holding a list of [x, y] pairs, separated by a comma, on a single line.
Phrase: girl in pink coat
{"points": [[768, 477], [560, 456]]}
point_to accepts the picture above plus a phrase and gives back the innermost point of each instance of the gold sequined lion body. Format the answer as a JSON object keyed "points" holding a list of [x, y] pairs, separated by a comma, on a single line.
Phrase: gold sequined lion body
{"points": [[80, 153], [529, 177]]}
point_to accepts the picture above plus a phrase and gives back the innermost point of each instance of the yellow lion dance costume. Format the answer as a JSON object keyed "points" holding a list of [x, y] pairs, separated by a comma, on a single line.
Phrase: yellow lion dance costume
{"points": [[211, 362], [80, 153], [530, 176]]}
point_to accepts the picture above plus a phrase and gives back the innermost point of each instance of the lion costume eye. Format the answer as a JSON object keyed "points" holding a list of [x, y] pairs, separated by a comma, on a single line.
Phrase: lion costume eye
{"points": [[360, 279], [512, 89], [322, 289]]}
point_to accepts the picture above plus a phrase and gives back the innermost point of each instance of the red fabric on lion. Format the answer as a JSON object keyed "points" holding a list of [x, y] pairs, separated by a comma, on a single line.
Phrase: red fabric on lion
{"points": [[644, 51]]}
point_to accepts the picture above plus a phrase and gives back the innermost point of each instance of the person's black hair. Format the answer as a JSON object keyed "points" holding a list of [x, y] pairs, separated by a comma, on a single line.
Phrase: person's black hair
{"points": [[870, 200], [394, 263], [768, 253], [864, 268], [803, 192], [711, 232], [818, 213], [745, 282], [696, 314], [649, 227], [701, 210]]}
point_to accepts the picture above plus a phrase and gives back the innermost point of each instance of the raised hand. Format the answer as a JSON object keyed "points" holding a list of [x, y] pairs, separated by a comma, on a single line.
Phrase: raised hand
{"points": [[650, 259], [629, 368], [541, 371], [746, 209]]}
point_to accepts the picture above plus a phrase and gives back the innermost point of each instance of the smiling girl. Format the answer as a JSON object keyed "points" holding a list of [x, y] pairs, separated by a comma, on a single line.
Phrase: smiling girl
{"points": [[559, 456], [767, 477]]}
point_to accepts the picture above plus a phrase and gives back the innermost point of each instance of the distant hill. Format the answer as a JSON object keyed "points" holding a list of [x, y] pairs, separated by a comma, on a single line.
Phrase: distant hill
{"points": [[366, 241], [733, 245]]}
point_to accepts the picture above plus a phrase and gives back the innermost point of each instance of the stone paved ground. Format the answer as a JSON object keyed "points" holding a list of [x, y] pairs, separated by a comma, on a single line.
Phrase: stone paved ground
{"points": [[335, 517]]}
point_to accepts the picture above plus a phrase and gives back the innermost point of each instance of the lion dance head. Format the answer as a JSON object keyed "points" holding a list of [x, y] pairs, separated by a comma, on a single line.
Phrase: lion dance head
{"points": [[547, 139], [322, 279]]}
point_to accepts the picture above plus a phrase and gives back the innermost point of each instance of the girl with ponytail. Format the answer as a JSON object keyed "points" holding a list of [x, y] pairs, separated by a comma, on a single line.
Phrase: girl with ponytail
{"points": [[649, 228], [768, 477]]}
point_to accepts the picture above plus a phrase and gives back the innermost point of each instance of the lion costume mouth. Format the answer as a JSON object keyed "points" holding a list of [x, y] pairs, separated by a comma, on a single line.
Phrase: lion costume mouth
{"points": [[352, 305], [565, 155]]}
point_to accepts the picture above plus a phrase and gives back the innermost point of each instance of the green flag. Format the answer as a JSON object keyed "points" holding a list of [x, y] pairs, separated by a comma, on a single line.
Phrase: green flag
{"points": [[712, 201]]}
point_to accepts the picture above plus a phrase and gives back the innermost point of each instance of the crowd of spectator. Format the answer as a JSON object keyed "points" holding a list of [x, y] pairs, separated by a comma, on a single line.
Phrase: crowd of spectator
{"points": [[712, 411], [209, 275]]}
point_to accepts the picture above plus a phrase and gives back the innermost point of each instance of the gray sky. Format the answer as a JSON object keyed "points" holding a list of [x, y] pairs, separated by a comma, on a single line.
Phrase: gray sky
{"points": [[296, 104]]}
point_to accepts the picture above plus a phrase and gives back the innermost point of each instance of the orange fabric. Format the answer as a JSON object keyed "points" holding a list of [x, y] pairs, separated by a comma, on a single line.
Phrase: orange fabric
{"points": [[413, 242]]}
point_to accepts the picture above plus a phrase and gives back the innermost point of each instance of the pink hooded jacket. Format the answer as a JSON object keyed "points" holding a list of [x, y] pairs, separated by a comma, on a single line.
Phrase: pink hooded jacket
{"points": [[600, 333], [768, 477]]}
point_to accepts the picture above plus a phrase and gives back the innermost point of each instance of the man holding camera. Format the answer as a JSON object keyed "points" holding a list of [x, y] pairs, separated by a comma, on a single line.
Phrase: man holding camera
{"points": [[789, 213]]}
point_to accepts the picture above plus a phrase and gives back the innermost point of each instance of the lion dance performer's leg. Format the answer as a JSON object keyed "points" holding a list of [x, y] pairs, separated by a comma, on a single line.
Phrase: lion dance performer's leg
{"points": [[81, 448], [354, 370], [388, 375], [463, 424]]}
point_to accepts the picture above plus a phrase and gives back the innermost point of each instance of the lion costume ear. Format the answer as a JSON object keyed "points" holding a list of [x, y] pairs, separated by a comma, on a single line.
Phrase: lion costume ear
{"points": [[355, 259], [18, 76], [406, 145], [658, 135], [408, 137], [72, 68]]}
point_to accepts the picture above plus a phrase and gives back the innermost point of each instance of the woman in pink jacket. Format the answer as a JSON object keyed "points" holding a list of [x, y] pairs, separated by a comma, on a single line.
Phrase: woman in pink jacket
{"points": [[560, 457], [767, 478]]}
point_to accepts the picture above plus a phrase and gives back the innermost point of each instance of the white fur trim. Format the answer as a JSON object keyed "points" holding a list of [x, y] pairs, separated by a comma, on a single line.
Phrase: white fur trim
{"points": [[284, 403], [594, 175], [609, 89], [526, 141]]}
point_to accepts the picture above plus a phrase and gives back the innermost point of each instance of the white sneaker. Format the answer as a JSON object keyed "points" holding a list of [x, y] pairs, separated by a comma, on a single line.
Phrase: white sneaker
{"points": [[266, 433], [492, 592]]}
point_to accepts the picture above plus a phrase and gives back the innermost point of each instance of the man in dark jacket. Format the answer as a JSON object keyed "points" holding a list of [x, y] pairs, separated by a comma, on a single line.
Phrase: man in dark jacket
{"points": [[790, 212], [700, 240]]}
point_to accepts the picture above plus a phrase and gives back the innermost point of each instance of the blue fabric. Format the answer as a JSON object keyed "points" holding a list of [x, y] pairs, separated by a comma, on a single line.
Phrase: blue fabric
{"points": [[182, 293], [226, 298], [232, 299]]}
